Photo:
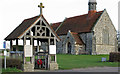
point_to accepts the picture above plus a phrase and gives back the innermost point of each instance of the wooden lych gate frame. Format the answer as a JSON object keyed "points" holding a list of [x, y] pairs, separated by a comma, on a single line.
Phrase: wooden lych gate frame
{"points": [[36, 28]]}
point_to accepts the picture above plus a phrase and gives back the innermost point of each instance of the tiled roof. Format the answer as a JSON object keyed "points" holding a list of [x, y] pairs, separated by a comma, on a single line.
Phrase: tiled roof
{"points": [[25, 25], [77, 38], [21, 28], [82, 23], [55, 25]]}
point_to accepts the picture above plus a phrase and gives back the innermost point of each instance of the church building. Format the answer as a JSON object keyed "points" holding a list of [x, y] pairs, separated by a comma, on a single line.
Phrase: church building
{"points": [[91, 33]]}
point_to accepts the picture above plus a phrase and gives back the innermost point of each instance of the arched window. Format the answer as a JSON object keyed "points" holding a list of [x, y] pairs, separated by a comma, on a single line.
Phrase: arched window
{"points": [[105, 36]]}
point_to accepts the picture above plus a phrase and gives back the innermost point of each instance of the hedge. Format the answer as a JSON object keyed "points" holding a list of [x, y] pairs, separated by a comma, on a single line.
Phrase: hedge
{"points": [[12, 63], [114, 57]]}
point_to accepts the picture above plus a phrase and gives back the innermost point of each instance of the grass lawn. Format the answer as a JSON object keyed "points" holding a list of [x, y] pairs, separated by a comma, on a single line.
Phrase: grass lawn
{"points": [[10, 70], [83, 61], [76, 61]]}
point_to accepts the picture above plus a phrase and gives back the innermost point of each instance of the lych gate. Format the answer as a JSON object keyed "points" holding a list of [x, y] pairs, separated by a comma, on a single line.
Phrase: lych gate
{"points": [[36, 30]]}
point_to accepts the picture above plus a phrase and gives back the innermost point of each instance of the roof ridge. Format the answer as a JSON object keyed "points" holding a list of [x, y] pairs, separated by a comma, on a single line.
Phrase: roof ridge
{"points": [[31, 18], [83, 14]]}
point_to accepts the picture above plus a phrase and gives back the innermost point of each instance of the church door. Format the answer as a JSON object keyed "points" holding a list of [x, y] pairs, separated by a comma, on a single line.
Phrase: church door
{"points": [[69, 48]]}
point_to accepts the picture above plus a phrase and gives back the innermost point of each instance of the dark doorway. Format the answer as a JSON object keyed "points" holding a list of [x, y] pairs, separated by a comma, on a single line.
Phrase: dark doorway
{"points": [[69, 48], [119, 49]]}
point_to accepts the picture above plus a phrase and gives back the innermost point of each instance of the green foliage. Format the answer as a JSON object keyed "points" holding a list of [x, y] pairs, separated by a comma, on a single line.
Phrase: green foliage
{"points": [[10, 70], [114, 57], [83, 61], [12, 63]]}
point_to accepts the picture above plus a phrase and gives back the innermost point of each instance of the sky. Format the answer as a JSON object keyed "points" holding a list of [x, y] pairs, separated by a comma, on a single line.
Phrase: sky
{"points": [[13, 12]]}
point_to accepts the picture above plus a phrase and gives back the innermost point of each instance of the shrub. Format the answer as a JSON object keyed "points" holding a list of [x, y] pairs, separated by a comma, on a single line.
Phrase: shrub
{"points": [[114, 57], [12, 63]]}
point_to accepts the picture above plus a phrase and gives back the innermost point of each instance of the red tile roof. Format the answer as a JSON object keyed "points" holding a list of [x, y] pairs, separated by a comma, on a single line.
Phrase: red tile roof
{"points": [[82, 23], [55, 25], [77, 38]]}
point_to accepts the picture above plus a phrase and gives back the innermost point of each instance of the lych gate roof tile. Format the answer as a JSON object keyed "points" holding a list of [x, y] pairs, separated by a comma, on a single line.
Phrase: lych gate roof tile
{"points": [[25, 25], [21, 28], [78, 24]]}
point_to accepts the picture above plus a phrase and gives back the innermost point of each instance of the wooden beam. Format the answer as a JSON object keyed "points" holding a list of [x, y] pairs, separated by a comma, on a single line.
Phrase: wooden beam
{"points": [[49, 60], [16, 48], [54, 41], [45, 31], [35, 30], [24, 43], [31, 41], [50, 33], [40, 25], [31, 58], [37, 45], [11, 46], [55, 44], [42, 37]]}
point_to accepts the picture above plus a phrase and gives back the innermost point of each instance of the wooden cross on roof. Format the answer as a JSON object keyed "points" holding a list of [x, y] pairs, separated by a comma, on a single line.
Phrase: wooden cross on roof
{"points": [[41, 6]]}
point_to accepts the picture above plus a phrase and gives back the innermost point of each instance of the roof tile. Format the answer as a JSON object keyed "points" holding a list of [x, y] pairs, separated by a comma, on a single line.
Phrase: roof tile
{"points": [[82, 23]]}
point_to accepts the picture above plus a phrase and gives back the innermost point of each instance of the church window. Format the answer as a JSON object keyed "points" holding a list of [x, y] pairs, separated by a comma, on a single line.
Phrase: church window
{"points": [[105, 35]]}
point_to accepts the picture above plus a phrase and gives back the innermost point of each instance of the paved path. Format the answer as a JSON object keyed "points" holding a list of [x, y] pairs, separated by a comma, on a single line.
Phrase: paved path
{"points": [[95, 69]]}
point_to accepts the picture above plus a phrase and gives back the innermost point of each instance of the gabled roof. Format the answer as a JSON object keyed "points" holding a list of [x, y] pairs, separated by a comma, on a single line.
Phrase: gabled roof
{"points": [[21, 28], [82, 23], [55, 25], [77, 38], [24, 26]]}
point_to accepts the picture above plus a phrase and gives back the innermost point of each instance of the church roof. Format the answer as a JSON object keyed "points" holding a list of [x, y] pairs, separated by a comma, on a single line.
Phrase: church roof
{"points": [[55, 25], [24, 26], [77, 38], [82, 23]]}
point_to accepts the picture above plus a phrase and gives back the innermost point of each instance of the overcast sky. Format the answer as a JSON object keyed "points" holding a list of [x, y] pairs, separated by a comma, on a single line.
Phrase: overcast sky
{"points": [[13, 12]]}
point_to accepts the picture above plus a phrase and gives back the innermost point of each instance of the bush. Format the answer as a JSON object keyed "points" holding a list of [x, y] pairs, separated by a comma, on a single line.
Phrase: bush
{"points": [[114, 57], [12, 63]]}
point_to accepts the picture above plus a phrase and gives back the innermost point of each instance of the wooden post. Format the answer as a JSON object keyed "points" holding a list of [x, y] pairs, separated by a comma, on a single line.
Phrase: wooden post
{"points": [[33, 51], [48, 54], [35, 30], [11, 47], [31, 58], [56, 51], [38, 47], [24, 43], [16, 47]]}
